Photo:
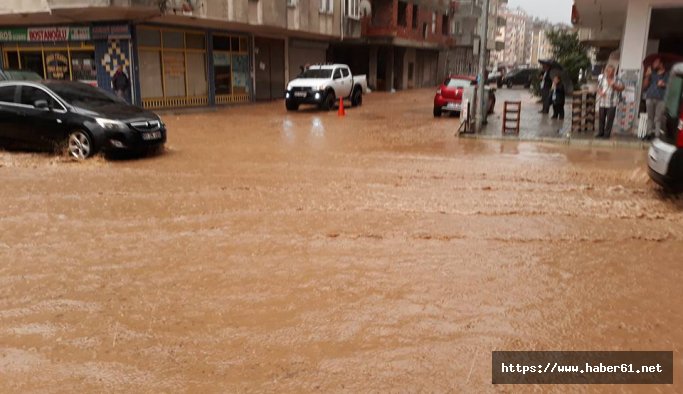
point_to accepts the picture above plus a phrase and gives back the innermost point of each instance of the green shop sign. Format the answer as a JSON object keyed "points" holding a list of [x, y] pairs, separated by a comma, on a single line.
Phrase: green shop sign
{"points": [[43, 34]]}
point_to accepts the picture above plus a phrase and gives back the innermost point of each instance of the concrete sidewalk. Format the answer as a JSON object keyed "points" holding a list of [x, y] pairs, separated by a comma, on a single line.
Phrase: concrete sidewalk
{"points": [[539, 127]]}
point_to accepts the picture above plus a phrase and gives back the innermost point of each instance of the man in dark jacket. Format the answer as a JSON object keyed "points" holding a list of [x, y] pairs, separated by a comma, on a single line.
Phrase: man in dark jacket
{"points": [[120, 83], [557, 95]]}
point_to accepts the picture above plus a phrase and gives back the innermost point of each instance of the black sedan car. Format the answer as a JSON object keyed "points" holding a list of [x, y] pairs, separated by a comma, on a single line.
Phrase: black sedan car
{"points": [[52, 115], [522, 76]]}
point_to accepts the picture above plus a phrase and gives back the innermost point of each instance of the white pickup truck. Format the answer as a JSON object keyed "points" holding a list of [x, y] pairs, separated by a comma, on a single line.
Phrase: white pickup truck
{"points": [[322, 85]]}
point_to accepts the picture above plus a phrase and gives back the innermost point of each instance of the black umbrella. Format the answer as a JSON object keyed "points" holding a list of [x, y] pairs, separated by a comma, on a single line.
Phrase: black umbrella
{"points": [[551, 63]]}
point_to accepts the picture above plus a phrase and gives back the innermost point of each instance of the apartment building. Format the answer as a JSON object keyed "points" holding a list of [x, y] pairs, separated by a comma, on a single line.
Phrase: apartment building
{"points": [[177, 52], [466, 27]]}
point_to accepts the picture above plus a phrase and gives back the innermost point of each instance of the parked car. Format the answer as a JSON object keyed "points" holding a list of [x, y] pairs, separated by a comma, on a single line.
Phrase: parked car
{"points": [[50, 115], [665, 157], [449, 95], [321, 85], [521, 76], [19, 75]]}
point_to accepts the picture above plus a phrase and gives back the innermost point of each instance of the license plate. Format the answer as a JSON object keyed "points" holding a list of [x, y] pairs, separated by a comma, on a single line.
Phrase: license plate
{"points": [[453, 106], [299, 94], [155, 135]]}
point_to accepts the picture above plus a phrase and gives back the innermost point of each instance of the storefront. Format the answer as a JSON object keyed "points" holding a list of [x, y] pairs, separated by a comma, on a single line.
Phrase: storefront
{"points": [[183, 67], [231, 68], [89, 54]]}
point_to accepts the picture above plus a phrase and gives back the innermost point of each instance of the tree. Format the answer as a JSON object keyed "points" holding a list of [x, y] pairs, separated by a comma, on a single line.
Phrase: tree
{"points": [[569, 52]]}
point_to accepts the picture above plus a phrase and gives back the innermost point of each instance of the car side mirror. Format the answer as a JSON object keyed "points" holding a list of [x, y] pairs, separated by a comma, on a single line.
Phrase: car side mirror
{"points": [[41, 104]]}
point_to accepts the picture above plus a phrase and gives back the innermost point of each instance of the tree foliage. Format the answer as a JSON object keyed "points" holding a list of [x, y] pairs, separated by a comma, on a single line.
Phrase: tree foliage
{"points": [[569, 52]]}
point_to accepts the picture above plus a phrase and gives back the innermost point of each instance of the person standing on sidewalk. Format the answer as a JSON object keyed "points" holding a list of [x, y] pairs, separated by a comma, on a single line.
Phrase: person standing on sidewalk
{"points": [[120, 83], [609, 95], [546, 85], [654, 83], [558, 98]]}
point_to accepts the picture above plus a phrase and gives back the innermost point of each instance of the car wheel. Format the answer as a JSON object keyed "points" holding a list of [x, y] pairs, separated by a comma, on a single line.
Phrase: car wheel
{"points": [[357, 98], [291, 106], [79, 145], [328, 102], [437, 112]]}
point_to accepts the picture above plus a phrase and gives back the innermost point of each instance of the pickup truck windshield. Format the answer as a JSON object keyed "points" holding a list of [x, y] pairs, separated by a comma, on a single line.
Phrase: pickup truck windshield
{"points": [[317, 73]]}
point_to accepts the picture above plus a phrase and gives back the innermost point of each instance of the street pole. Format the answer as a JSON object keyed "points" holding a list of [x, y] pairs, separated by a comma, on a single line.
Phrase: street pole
{"points": [[483, 43]]}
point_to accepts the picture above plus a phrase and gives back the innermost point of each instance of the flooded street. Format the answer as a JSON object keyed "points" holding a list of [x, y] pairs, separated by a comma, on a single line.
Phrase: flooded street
{"points": [[303, 252]]}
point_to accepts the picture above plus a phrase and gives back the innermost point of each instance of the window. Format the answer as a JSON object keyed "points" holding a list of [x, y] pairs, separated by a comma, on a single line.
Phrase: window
{"points": [[7, 93], [29, 96], [337, 73], [433, 22], [291, 3], [326, 6], [353, 9], [444, 25], [402, 14], [230, 64], [345, 72], [415, 13], [172, 63]]}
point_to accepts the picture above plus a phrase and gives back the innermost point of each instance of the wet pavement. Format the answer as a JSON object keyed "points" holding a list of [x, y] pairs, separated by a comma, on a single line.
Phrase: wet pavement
{"points": [[536, 126], [268, 251]]}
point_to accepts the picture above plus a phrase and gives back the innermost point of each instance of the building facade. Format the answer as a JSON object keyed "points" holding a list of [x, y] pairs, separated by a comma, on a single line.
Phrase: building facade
{"points": [[177, 53], [624, 33]]}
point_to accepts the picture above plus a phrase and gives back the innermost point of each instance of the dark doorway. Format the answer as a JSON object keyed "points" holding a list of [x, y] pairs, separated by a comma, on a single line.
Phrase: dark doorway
{"points": [[269, 68]]}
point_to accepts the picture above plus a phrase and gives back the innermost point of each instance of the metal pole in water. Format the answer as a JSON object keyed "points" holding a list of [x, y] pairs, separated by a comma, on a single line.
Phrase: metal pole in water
{"points": [[483, 41]]}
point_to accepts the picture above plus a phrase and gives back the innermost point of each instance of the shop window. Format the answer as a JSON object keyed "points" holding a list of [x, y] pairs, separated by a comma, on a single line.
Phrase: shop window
{"points": [[402, 14], [149, 38], [174, 73], [221, 43], [231, 65], [196, 74], [32, 61], [150, 74], [12, 60], [173, 39], [83, 66], [195, 41], [57, 65]]}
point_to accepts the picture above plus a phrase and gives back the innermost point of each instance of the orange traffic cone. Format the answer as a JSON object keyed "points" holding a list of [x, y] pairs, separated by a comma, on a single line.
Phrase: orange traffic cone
{"points": [[341, 107]]}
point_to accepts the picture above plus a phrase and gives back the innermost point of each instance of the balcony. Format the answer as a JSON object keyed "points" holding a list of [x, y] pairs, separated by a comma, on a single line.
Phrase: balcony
{"points": [[468, 9]]}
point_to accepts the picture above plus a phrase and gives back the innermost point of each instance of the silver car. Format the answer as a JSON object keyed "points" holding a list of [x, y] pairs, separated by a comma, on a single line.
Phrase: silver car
{"points": [[665, 157]]}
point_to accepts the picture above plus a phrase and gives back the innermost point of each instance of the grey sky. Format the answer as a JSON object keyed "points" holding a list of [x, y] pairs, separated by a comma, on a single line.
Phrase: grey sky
{"points": [[557, 11]]}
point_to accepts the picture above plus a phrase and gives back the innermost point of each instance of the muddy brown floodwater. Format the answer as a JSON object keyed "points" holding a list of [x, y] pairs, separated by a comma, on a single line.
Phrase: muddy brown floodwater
{"points": [[299, 252]]}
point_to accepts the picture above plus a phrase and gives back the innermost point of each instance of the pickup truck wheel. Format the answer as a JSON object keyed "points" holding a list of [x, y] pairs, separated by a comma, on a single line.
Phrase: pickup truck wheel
{"points": [[291, 106], [328, 102], [357, 98], [437, 112]]}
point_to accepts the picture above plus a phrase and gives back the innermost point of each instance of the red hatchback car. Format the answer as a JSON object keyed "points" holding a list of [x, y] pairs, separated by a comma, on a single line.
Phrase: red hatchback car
{"points": [[448, 97]]}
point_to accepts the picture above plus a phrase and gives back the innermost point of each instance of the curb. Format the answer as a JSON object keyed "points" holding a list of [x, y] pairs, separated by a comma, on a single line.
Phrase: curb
{"points": [[562, 141]]}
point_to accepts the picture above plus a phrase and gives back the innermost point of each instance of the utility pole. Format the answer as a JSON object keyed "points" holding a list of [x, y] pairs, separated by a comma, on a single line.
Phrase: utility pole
{"points": [[483, 43]]}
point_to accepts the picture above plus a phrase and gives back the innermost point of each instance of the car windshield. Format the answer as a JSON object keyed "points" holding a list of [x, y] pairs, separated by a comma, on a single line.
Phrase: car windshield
{"points": [[83, 95], [458, 83], [18, 75], [316, 73], [673, 96]]}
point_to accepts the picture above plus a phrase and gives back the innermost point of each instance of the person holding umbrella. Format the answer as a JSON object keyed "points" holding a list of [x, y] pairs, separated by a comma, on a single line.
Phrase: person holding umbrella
{"points": [[609, 95], [546, 85], [654, 84]]}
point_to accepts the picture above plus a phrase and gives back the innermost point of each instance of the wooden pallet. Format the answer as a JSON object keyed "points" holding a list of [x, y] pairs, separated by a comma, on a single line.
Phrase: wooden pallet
{"points": [[512, 117]]}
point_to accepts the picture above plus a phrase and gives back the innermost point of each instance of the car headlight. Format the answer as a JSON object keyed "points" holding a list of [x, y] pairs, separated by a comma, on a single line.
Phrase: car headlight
{"points": [[110, 124], [161, 122]]}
